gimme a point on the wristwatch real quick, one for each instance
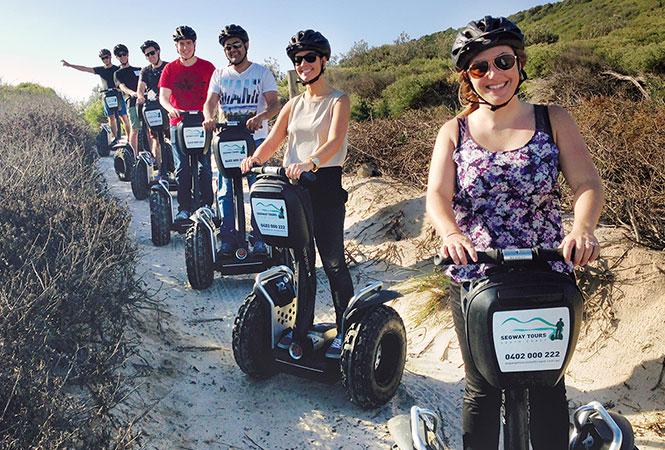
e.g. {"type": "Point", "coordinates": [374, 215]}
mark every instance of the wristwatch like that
{"type": "Point", "coordinates": [316, 163]}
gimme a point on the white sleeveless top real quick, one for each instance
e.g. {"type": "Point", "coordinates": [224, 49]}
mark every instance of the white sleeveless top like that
{"type": "Point", "coordinates": [309, 124]}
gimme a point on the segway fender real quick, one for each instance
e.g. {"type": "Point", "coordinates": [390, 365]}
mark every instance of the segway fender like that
{"type": "Point", "coordinates": [162, 187]}
{"type": "Point", "coordinates": [368, 298]}
{"type": "Point", "coordinates": [204, 216]}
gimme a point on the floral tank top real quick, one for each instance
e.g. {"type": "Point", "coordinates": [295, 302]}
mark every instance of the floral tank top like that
{"type": "Point", "coordinates": [508, 199]}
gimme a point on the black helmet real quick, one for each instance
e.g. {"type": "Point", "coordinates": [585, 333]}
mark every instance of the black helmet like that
{"type": "Point", "coordinates": [119, 49]}
{"type": "Point", "coordinates": [104, 52]}
{"type": "Point", "coordinates": [483, 34]}
{"type": "Point", "coordinates": [149, 43]}
{"type": "Point", "coordinates": [233, 30]}
{"type": "Point", "coordinates": [308, 40]}
{"type": "Point", "coordinates": [184, 32]}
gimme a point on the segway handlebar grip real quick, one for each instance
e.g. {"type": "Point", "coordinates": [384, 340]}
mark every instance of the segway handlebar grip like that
{"type": "Point", "coordinates": [307, 177]}
{"type": "Point", "coordinates": [516, 255]}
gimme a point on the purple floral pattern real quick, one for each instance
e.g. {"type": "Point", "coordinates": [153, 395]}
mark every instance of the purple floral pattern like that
{"type": "Point", "coordinates": [507, 199]}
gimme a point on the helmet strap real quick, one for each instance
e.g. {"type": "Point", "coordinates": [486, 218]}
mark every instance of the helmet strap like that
{"type": "Point", "coordinates": [315, 79]}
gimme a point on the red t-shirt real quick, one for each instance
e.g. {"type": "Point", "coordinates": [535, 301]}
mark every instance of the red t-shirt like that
{"type": "Point", "coordinates": [189, 85]}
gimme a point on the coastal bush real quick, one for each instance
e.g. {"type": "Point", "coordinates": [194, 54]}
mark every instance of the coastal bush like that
{"type": "Point", "coordinates": [68, 287]}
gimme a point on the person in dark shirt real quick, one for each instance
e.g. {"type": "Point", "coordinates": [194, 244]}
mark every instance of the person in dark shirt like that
{"type": "Point", "coordinates": [127, 79]}
{"type": "Point", "coordinates": [149, 84]}
{"type": "Point", "coordinates": [106, 73]}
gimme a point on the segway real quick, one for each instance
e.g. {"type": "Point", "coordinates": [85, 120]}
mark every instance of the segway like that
{"type": "Point", "coordinates": [193, 141]}
{"type": "Point", "coordinates": [104, 138]}
{"type": "Point", "coordinates": [203, 241]}
{"type": "Point", "coordinates": [146, 170]}
{"type": "Point", "coordinates": [522, 325]}
{"type": "Point", "coordinates": [374, 348]}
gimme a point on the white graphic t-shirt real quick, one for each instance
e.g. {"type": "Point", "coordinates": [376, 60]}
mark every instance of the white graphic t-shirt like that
{"type": "Point", "coordinates": [241, 94]}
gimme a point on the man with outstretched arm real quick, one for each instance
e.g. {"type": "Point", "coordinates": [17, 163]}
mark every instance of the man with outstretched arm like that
{"type": "Point", "coordinates": [245, 92]}
{"type": "Point", "coordinates": [183, 87]}
{"type": "Point", "coordinates": [127, 80]}
{"type": "Point", "coordinates": [106, 72]}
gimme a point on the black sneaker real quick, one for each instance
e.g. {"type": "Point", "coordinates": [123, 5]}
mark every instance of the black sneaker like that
{"type": "Point", "coordinates": [286, 340]}
{"type": "Point", "coordinates": [335, 349]}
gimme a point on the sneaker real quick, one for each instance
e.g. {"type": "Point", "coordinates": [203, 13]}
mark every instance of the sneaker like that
{"type": "Point", "coordinates": [335, 349]}
{"type": "Point", "coordinates": [182, 215]}
{"type": "Point", "coordinates": [286, 340]}
{"type": "Point", "coordinates": [259, 248]}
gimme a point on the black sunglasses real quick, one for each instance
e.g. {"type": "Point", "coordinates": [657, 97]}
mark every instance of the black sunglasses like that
{"type": "Point", "coordinates": [150, 53]}
{"type": "Point", "coordinates": [121, 55]}
{"type": "Point", "coordinates": [105, 57]}
{"type": "Point", "coordinates": [502, 62]}
{"type": "Point", "coordinates": [309, 57]}
{"type": "Point", "coordinates": [230, 47]}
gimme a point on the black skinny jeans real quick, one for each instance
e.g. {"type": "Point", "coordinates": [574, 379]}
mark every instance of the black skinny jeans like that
{"type": "Point", "coordinates": [328, 221]}
{"type": "Point", "coordinates": [548, 407]}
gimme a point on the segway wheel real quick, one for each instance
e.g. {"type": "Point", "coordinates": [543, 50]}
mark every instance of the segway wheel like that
{"type": "Point", "coordinates": [140, 183]}
{"type": "Point", "coordinates": [160, 219]}
{"type": "Point", "coordinates": [123, 162]}
{"type": "Point", "coordinates": [198, 256]}
{"type": "Point", "coordinates": [101, 141]}
{"type": "Point", "coordinates": [251, 338]}
{"type": "Point", "coordinates": [373, 357]}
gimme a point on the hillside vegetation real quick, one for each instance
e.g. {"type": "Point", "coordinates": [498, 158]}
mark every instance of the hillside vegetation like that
{"type": "Point", "coordinates": [604, 60]}
{"type": "Point", "coordinates": [68, 288]}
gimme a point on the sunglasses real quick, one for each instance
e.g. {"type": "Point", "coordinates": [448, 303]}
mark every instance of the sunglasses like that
{"type": "Point", "coordinates": [230, 47]}
{"type": "Point", "coordinates": [120, 55]}
{"type": "Point", "coordinates": [105, 57]}
{"type": "Point", "coordinates": [502, 62]}
{"type": "Point", "coordinates": [150, 53]}
{"type": "Point", "coordinates": [309, 57]}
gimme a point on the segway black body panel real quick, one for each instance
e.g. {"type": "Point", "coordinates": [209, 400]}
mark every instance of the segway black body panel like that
{"type": "Point", "coordinates": [522, 325]}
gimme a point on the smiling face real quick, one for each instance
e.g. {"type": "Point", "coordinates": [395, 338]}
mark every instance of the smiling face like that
{"type": "Point", "coordinates": [496, 86]}
{"type": "Point", "coordinates": [185, 48]}
{"type": "Point", "coordinates": [308, 70]}
{"type": "Point", "coordinates": [235, 50]}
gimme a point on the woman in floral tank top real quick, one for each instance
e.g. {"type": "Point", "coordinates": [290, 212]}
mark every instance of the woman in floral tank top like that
{"type": "Point", "coordinates": [493, 185]}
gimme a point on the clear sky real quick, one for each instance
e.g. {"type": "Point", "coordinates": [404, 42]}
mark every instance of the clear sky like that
{"type": "Point", "coordinates": [39, 33]}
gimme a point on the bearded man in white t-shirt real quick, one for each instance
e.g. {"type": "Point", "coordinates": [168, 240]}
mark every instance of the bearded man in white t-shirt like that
{"type": "Point", "coordinates": [245, 92]}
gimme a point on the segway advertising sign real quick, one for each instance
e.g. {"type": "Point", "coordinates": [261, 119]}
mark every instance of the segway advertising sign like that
{"type": "Point", "coordinates": [195, 137]}
{"type": "Point", "coordinates": [154, 117]}
{"type": "Point", "coordinates": [270, 215]}
{"type": "Point", "coordinates": [111, 101]}
{"type": "Point", "coordinates": [532, 339]}
{"type": "Point", "coordinates": [232, 153]}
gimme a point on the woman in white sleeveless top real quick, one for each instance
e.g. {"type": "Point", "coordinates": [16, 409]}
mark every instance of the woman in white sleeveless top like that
{"type": "Point", "coordinates": [316, 123]}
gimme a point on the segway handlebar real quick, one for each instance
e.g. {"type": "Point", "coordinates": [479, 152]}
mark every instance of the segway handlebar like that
{"type": "Point", "coordinates": [308, 177]}
{"type": "Point", "coordinates": [509, 255]}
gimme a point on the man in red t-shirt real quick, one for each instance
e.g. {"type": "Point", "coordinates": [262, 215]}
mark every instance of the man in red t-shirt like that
{"type": "Point", "coordinates": [183, 86]}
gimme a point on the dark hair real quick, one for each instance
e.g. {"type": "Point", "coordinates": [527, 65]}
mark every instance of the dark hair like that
{"type": "Point", "coordinates": [119, 49]}
{"type": "Point", "coordinates": [149, 43]}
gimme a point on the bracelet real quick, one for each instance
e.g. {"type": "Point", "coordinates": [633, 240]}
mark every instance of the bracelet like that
{"type": "Point", "coordinates": [315, 162]}
{"type": "Point", "coordinates": [450, 234]}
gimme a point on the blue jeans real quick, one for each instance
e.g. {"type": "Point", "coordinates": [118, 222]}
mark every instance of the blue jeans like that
{"type": "Point", "coordinates": [183, 176]}
{"type": "Point", "coordinates": [225, 199]}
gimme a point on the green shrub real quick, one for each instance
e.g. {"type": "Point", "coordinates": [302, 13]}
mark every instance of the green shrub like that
{"type": "Point", "coordinates": [416, 91]}
{"type": "Point", "coordinates": [94, 114]}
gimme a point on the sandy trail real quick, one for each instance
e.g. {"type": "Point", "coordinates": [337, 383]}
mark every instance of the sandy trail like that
{"type": "Point", "coordinates": [190, 394]}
